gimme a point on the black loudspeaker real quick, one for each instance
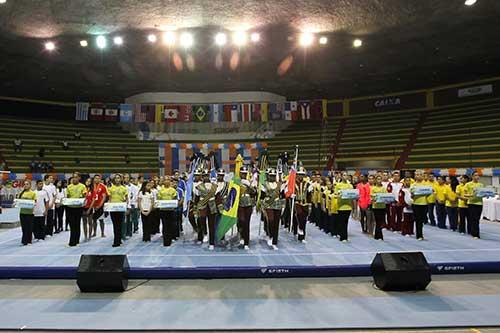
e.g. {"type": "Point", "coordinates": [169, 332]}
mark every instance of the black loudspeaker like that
{"type": "Point", "coordinates": [403, 271]}
{"type": "Point", "coordinates": [102, 273]}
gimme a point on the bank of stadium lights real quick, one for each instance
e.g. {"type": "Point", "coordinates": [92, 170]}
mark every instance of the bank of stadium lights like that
{"type": "Point", "coordinates": [101, 42]}
{"type": "Point", "coordinates": [255, 37]}
{"type": "Point", "coordinates": [240, 38]}
{"type": "Point", "coordinates": [50, 46]}
{"type": "Point", "coordinates": [118, 40]}
{"type": "Point", "coordinates": [470, 2]}
{"type": "Point", "coordinates": [186, 40]}
{"type": "Point", "coordinates": [2, 2]}
{"type": "Point", "coordinates": [357, 43]}
{"type": "Point", "coordinates": [169, 38]}
{"type": "Point", "coordinates": [306, 39]}
{"type": "Point", "coordinates": [220, 39]}
{"type": "Point", "coordinates": [84, 43]}
{"type": "Point", "coordinates": [152, 38]}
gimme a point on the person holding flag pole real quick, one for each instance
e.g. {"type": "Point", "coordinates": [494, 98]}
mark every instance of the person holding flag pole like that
{"type": "Point", "coordinates": [230, 213]}
{"type": "Point", "coordinates": [290, 192]}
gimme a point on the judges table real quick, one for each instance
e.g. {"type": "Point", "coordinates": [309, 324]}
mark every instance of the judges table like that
{"type": "Point", "coordinates": [491, 209]}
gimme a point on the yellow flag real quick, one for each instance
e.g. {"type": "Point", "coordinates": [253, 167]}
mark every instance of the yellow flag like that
{"type": "Point", "coordinates": [237, 167]}
{"type": "Point", "coordinates": [264, 114]}
{"type": "Point", "coordinates": [159, 113]}
{"type": "Point", "coordinates": [324, 108]}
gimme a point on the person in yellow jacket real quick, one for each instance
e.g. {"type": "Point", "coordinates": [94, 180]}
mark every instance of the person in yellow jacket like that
{"type": "Point", "coordinates": [117, 193]}
{"type": "Point", "coordinates": [440, 196]}
{"type": "Point", "coordinates": [452, 202]}
{"type": "Point", "coordinates": [333, 212]}
{"type": "Point", "coordinates": [419, 206]}
{"type": "Point", "coordinates": [379, 209]}
{"type": "Point", "coordinates": [475, 204]}
{"type": "Point", "coordinates": [431, 199]}
{"type": "Point", "coordinates": [26, 215]}
{"type": "Point", "coordinates": [323, 204]}
{"type": "Point", "coordinates": [344, 207]}
{"type": "Point", "coordinates": [463, 208]}
{"type": "Point", "coordinates": [75, 190]}
{"type": "Point", "coordinates": [167, 215]}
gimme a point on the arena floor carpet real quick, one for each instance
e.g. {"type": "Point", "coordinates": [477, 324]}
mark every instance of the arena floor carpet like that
{"type": "Point", "coordinates": [446, 251]}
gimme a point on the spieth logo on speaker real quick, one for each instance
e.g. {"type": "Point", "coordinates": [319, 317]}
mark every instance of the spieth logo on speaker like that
{"type": "Point", "coordinates": [450, 268]}
{"type": "Point", "coordinates": [274, 270]}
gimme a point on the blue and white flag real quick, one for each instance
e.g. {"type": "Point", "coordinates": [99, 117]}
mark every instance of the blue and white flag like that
{"type": "Point", "coordinates": [82, 111]}
{"type": "Point", "coordinates": [126, 113]}
{"type": "Point", "coordinates": [217, 114]}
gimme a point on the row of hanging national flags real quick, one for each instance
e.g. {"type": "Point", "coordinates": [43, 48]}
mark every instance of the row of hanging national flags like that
{"type": "Point", "coordinates": [214, 113]}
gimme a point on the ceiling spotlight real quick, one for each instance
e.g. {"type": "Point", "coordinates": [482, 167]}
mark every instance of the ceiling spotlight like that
{"type": "Point", "coordinates": [118, 40]}
{"type": "Point", "coordinates": [50, 46]}
{"type": "Point", "coordinates": [152, 38]}
{"type": "Point", "coordinates": [221, 39]}
{"type": "Point", "coordinates": [323, 40]}
{"type": "Point", "coordinates": [186, 40]}
{"type": "Point", "coordinates": [470, 2]}
{"type": "Point", "coordinates": [2, 2]}
{"type": "Point", "coordinates": [306, 39]}
{"type": "Point", "coordinates": [101, 42]}
{"type": "Point", "coordinates": [255, 37]}
{"type": "Point", "coordinates": [169, 38]}
{"type": "Point", "coordinates": [84, 43]}
{"type": "Point", "coordinates": [240, 38]}
{"type": "Point", "coordinates": [357, 42]}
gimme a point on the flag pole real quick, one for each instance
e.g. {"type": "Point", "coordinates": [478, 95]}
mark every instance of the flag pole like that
{"type": "Point", "coordinates": [295, 162]}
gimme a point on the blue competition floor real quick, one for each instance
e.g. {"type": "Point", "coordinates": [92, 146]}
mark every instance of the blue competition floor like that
{"type": "Point", "coordinates": [448, 252]}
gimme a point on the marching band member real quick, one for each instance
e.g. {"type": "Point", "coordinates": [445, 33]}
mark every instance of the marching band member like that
{"type": "Point", "coordinates": [206, 209]}
{"type": "Point", "coordinates": [379, 208]}
{"type": "Point", "coordinates": [303, 196]}
{"type": "Point", "coordinates": [323, 221]}
{"type": "Point", "coordinates": [331, 206]}
{"type": "Point", "coordinates": [117, 193]}
{"type": "Point", "coordinates": [272, 204]}
{"type": "Point", "coordinates": [344, 207]}
{"type": "Point", "coordinates": [192, 207]}
{"type": "Point", "coordinates": [248, 192]}
{"type": "Point", "coordinates": [406, 202]}
{"type": "Point", "coordinates": [463, 209]}
{"type": "Point", "coordinates": [167, 215]}
{"type": "Point", "coordinates": [316, 199]}
{"type": "Point", "coordinates": [395, 216]}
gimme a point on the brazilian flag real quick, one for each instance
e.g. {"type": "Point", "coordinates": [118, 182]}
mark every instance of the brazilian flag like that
{"type": "Point", "coordinates": [230, 214]}
{"type": "Point", "coordinates": [201, 113]}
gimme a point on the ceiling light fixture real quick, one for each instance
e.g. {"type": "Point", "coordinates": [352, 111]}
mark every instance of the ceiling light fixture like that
{"type": "Point", "coordinates": [255, 37]}
{"type": "Point", "coordinates": [186, 40]}
{"type": "Point", "coordinates": [50, 46]}
{"type": "Point", "coordinates": [357, 43]}
{"type": "Point", "coordinates": [152, 38]}
{"type": "Point", "coordinates": [84, 43]}
{"type": "Point", "coordinates": [470, 2]}
{"type": "Point", "coordinates": [118, 40]}
{"type": "Point", "coordinates": [169, 38]}
{"type": "Point", "coordinates": [240, 38]}
{"type": "Point", "coordinates": [101, 42]}
{"type": "Point", "coordinates": [221, 39]}
{"type": "Point", "coordinates": [306, 39]}
{"type": "Point", "coordinates": [323, 40]}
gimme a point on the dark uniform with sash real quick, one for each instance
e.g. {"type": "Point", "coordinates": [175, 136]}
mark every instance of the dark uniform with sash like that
{"type": "Point", "coordinates": [245, 208]}
{"type": "Point", "coordinates": [206, 208]}
{"type": "Point", "coordinates": [303, 194]}
{"type": "Point", "coordinates": [272, 203]}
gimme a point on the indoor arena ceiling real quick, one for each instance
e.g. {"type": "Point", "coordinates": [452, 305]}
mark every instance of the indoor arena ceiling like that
{"type": "Point", "coordinates": [407, 44]}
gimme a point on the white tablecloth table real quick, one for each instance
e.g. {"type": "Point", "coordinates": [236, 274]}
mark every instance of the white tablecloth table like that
{"type": "Point", "coordinates": [491, 209]}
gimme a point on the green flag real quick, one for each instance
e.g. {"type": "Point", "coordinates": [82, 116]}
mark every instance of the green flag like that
{"type": "Point", "coordinates": [200, 113]}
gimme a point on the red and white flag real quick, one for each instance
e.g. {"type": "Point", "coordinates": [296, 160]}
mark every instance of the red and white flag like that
{"type": "Point", "coordinates": [246, 112]}
{"type": "Point", "coordinates": [171, 113]}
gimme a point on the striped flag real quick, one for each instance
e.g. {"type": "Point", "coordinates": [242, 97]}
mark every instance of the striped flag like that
{"type": "Point", "coordinates": [235, 108]}
{"type": "Point", "coordinates": [264, 112]}
{"type": "Point", "coordinates": [217, 114]}
{"type": "Point", "coordinates": [82, 111]}
{"type": "Point", "coordinates": [246, 112]}
{"type": "Point", "coordinates": [305, 110]}
{"type": "Point", "coordinates": [139, 116]}
{"type": "Point", "coordinates": [256, 112]}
